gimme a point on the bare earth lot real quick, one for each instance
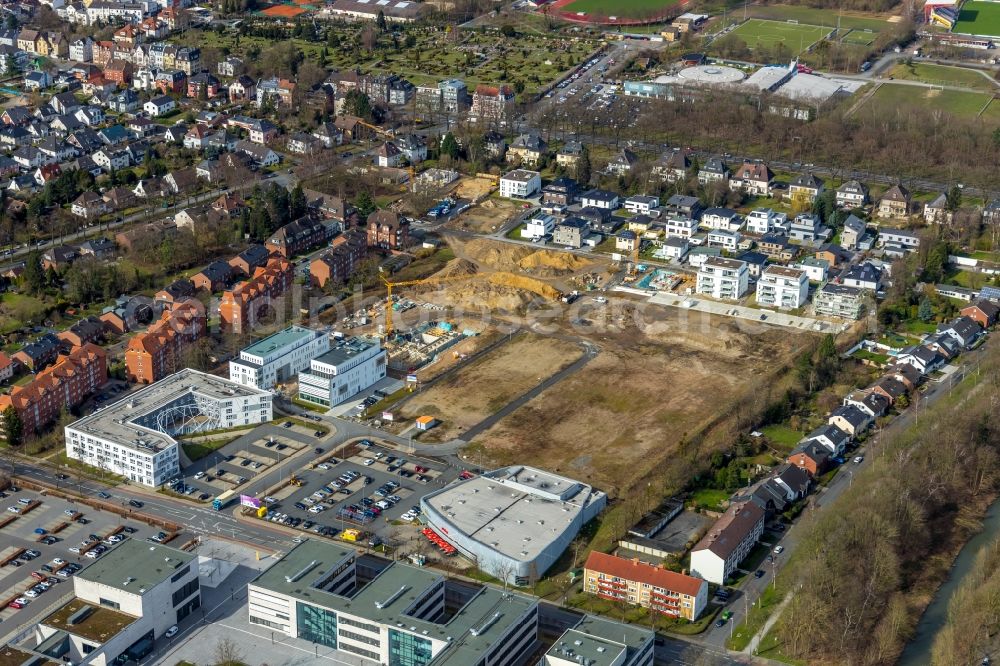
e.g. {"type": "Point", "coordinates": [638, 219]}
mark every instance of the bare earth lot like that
{"type": "Point", "coordinates": [626, 412]}
{"type": "Point", "coordinates": [485, 386]}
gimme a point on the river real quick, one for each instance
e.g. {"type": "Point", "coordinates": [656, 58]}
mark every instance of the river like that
{"type": "Point", "coordinates": [918, 651]}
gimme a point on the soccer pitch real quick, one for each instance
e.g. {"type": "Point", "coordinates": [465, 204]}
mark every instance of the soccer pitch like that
{"type": "Point", "coordinates": [979, 18]}
{"type": "Point", "coordinates": [797, 37]}
{"type": "Point", "coordinates": [637, 9]}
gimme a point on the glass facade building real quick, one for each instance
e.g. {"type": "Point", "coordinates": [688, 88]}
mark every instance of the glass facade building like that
{"type": "Point", "coordinates": [408, 650]}
{"type": "Point", "coordinates": [317, 625]}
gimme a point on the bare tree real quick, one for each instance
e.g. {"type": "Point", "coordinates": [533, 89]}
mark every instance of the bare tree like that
{"type": "Point", "coordinates": [228, 653]}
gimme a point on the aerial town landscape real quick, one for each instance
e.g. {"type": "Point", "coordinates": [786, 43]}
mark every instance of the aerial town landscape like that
{"type": "Point", "coordinates": [488, 333]}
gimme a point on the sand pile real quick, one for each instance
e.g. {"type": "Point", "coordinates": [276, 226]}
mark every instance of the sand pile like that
{"type": "Point", "coordinates": [544, 262]}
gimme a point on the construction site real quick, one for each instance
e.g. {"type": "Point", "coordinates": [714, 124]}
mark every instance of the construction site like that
{"type": "Point", "coordinates": [528, 357]}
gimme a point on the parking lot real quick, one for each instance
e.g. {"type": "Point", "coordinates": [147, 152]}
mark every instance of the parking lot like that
{"type": "Point", "coordinates": [50, 537]}
{"type": "Point", "coordinates": [356, 482]}
{"type": "Point", "coordinates": [244, 459]}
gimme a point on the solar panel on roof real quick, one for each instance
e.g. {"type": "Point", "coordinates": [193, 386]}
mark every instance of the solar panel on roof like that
{"type": "Point", "coordinates": [990, 293]}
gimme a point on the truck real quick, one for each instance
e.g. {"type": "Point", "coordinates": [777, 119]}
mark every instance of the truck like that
{"type": "Point", "coordinates": [220, 502]}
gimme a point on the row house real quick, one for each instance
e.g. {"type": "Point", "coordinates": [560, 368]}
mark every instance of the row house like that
{"type": "Point", "coordinates": [159, 352]}
{"type": "Point", "coordinates": [63, 386]}
{"type": "Point", "coordinates": [248, 302]}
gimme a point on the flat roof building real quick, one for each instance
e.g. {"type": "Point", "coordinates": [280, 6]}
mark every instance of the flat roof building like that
{"type": "Point", "coordinates": [278, 357]}
{"type": "Point", "coordinates": [514, 522]}
{"type": "Point", "coordinates": [134, 437]}
{"type": "Point", "coordinates": [121, 604]}
{"type": "Point", "coordinates": [349, 367]}
{"type": "Point", "coordinates": [394, 613]}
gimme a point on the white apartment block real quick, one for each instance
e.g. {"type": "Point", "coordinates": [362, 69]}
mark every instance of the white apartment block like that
{"type": "Point", "coordinates": [727, 240]}
{"type": "Point", "coordinates": [682, 227]}
{"type": "Point", "coordinates": [837, 300]}
{"type": "Point", "coordinates": [727, 543]}
{"type": "Point", "coordinates": [764, 221]}
{"type": "Point", "coordinates": [520, 183]}
{"type": "Point", "coordinates": [278, 358]}
{"type": "Point", "coordinates": [538, 226]}
{"type": "Point", "coordinates": [783, 287]}
{"type": "Point", "coordinates": [134, 437]}
{"type": "Point", "coordinates": [723, 278]}
{"type": "Point", "coordinates": [351, 366]}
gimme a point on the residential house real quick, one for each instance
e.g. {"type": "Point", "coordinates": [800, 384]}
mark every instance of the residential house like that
{"type": "Point", "coordinates": [863, 276]}
{"type": "Point", "coordinates": [966, 331]}
{"type": "Point", "coordinates": [99, 248]}
{"type": "Point", "coordinates": [833, 254]}
{"type": "Point", "coordinates": [539, 225]}
{"type": "Point", "coordinates": [756, 262]}
{"type": "Point", "coordinates": [89, 205]}
{"type": "Point", "coordinates": [777, 247]}
{"type": "Point", "coordinates": [520, 183]}
{"type": "Point", "coordinates": [782, 287]}
{"type": "Point", "coordinates": [622, 163]}
{"type": "Point", "coordinates": [721, 218]}
{"type": "Point", "coordinates": [804, 189]}
{"type": "Point", "coordinates": [871, 404]}
{"type": "Point", "coordinates": [388, 230]}
{"type": "Point", "coordinates": [243, 88]}
{"type": "Point", "coordinates": [891, 388]}
{"type": "Point", "coordinates": [214, 277]}
{"type": "Point", "coordinates": [898, 242]}
{"type": "Point", "coordinates": [924, 359]}
{"type": "Point", "coordinates": [388, 155]}
{"type": "Point", "coordinates": [729, 540]}
{"type": "Point", "coordinates": [672, 167]}
{"type": "Point", "coordinates": [852, 233]}
{"type": "Point", "coordinates": [231, 66]}
{"type": "Point", "coordinates": [59, 257]}
{"type": "Point", "coordinates": [89, 329]}
{"type": "Point", "coordinates": [250, 259]}
{"type": "Point", "coordinates": [330, 136]}
{"type": "Point", "coordinates": [600, 199]}
{"type": "Point", "coordinates": [852, 194]}
{"type": "Point", "coordinates": [983, 312]}
{"type": "Point", "coordinates": [39, 353]}
{"type": "Point", "coordinates": [681, 227]}
{"type": "Point", "coordinates": [571, 232]}
{"type": "Point", "coordinates": [764, 221]}
{"type": "Point", "coordinates": [202, 86]}
{"type": "Point", "coordinates": [938, 211]}
{"type": "Point", "coordinates": [812, 457]}
{"type": "Point", "coordinates": [713, 171]}
{"type": "Point", "coordinates": [674, 247]}
{"type": "Point", "coordinates": [298, 237]}
{"type": "Point", "coordinates": [831, 437]}
{"type": "Point", "coordinates": [647, 585]}
{"type": "Point", "coordinates": [527, 149]}
{"type": "Point", "coordinates": [569, 154]}
{"type": "Point", "coordinates": [723, 278]}
{"type": "Point", "coordinates": [641, 205]}
{"type": "Point", "coordinates": [816, 270]}
{"type": "Point", "coordinates": [849, 419]}
{"type": "Point", "coordinates": [151, 356]}
{"type": "Point", "coordinates": [492, 104]}
{"type": "Point", "coordinates": [560, 192]}
{"type": "Point", "coordinates": [338, 263]}
{"type": "Point", "coordinates": [727, 240]}
{"type": "Point", "coordinates": [262, 156]}
{"type": "Point", "coordinates": [243, 305]}
{"type": "Point", "coordinates": [895, 203]}
{"type": "Point", "coordinates": [159, 106]}
{"type": "Point", "coordinates": [754, 178]}
{"type": "Point", "coordinates": [276, 91]}
{"type": "Point", "coordinates": [808, 228]}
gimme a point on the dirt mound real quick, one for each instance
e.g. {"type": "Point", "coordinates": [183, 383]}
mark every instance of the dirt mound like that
{"type": "Point", "coordinates": [546, 262]}
{"type": "Point", "coordinates": [501, 256]}
{"type": "Point", "coordinates": [525, 284]}
{"type": "Point", "coordinates": [457, 268]}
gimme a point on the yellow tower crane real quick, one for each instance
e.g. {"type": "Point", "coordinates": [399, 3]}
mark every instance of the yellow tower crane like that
{"type": "Point", "coordinates": [389, 286]}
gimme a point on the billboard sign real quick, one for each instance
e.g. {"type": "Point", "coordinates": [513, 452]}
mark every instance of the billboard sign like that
{"type": "Point", "coordinates": [247, 500]}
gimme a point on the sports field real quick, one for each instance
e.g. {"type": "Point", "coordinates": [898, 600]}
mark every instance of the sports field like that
{"type": "Point", "coordinates": [942, 75]}
{"type": "Point", "coordinates": [634, 9]}
{"type": "Point", "coordinates": [797, 37]}
{"type": "Point", "coordinates": [893, 97]}
{"type": "Point", "coordinates": [861, 37]}
{"type": "Point", "coordinates": [821, 17]}
{"type": "Point", "coordinates": [979, 18]}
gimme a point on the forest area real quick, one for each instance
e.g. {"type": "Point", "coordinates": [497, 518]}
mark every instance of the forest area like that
{"type": "Point", "coordinates": [867, 566]}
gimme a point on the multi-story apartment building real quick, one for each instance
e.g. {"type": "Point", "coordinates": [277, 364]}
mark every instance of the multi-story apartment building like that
{"type": "Point", "coordinates": [278, 357]}
{"type": "Point", "coordinates": [838, 300]}
{"type": "Point", "coordinates": [151, 356]}
{"type": "Point", "coordinates": [492, 104]}
{"type": "Point", "coordinates": [728, 542]}
{"type": "Point", "coordinates": [64, 385]}
{"type": "Point", "coordinates": [454, 95]}
{"type": "Point", "coordinates": [646, 585]}
{"type": "Point", "coordinates": [723, 278]}
{"type": "Point", "coordinates": [520, 183]}
{"type": "Point", "coordinates": [298, 237]}
{"type": "Point", "coordinates": [135, 437]}
{"type": "Point", "coordinates": [247, 302]}
{"type": "Point", "coordinates": [783, 287]}
{"type": "Point", "coordinates": [349, 367]}
{"type": "Point", "coordinates": [388, 230]}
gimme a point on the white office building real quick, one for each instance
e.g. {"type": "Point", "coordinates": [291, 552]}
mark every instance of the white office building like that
{"type": "Point", "coordinates": [723, 278]}
{"type": "Point", "coordinates": [374, 611]}
{"type": "Point", "coordinates": [278, 358]}
{"type": "Point", "coordinates": [121, 604]}
{"type": "Point", "coordinates": [134, 437]}
{"type": "Point", "coordinates": [783, 287]}
{"type": "Point", "coordinates": [520, 184]}
{"type": "Point", "coordinates": [349, 367]}
{"type": "Point", "coordinates": [540, 225]}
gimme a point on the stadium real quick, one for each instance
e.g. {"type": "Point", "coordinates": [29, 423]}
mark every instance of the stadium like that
{"type": "Point", "coordinates": [134, 437]}
{"type": "Point", "coordinates": [514, 522]}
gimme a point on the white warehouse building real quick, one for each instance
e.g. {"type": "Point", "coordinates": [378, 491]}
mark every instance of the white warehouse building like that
{"type": "Point", "coordinates": [134, 437]}
{"type": "Point", "coordinates": [514, 522]}
{"type": "Point", "coordinates": [349, 367]}
{"type": "Point", "coordinates": [278, 357]}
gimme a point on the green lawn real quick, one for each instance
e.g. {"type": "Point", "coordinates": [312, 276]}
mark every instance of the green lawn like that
{"type": "Point", "coordinates": [631, 9]}
{"type": "Point", "coordinates": [755, 621]}
{"type": "Point", "coordinates": [797, 37]}
{"type": "Point", "coordinates": [874, 357]}
{"type": "Point", "coordinates": [979, 18]}
{"type": "Point", "coordinates": [919, 327]}
{"type": "Point", "coordinates": [709, 498]}
{"type": "Point", "coordinates": [992, 113]}
{"type": "Point", "coordinates": [942, 75]}
{"type": "Point", "coordinates": [820, 17]}
{"type": "Point", "coordinates": [198, 450]}
{"type": "Point", "coordinates": [861, 37]}
{"type": "Point", "coordinates": [893, 97]}
{"type": "Point", "coordinates": [782, 434]}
